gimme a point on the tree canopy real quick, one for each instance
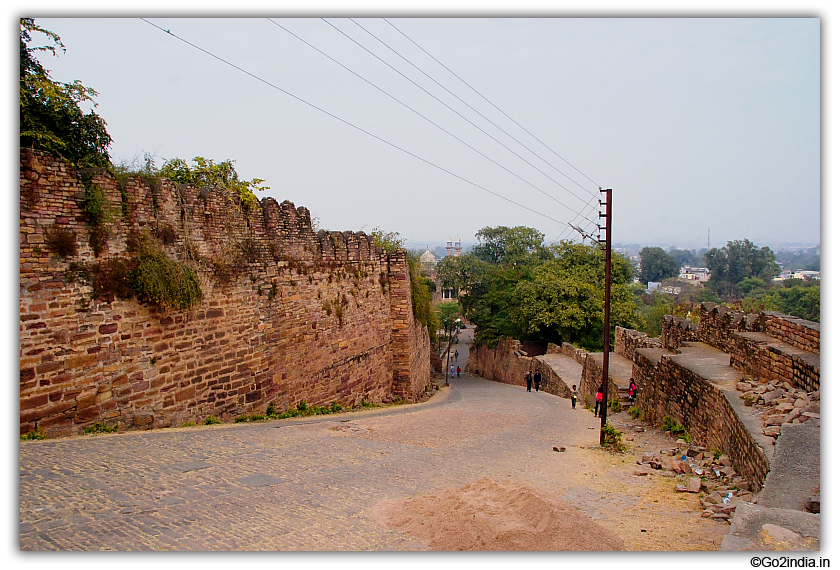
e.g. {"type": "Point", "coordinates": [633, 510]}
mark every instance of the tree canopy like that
{"type": "Point", "coordinates": [657, 265]}
{"type": "Point", "coordinates": [739, 260]}
{"type": "Point", "coordinates": [50, 116]}
{"type": "Point", "coordinates": [513, 285]}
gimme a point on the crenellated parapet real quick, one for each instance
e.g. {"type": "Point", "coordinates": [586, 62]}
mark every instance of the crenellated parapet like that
{"type": "Point", "coordinates": [287, 314]}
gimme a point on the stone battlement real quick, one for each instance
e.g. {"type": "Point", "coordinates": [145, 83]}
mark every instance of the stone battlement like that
{"type": "Point", "coordinates": [288, 315]}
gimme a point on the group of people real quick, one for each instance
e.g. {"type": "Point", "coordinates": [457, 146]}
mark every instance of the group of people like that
{"type": "Point", "coordinates": [453, 370]}
{"type": "Point", "coordinates": [535, 378]}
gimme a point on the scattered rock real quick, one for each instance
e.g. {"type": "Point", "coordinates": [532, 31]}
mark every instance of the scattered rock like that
{"type": "Point", "coordinates": [694, 485]}
{"type": "Point", "coordinates": [772, 431]}
{"type": "Point", "coordinates": [784, 408]}
{"type": "Point", "coordinates": [774, 420]}
{"type": "Point", "coordinates": [793, 415]}
{"type": "Point", "coordinates": [720, 517]}
{"type": "Point", "coordinates": [640, 472]}
{"type": "Point", "coordinates": [813, 407]}
{"type": "Point", "coordinates": [680, 488]}
{"type": "Point", "coordinates": [743, 386]}
{"type": "Point", "coordinates": [768, 397]}
{"type": "Point", "coordinates": [813, 504]}
{"type": "Point", "coordinates": [555, 448]}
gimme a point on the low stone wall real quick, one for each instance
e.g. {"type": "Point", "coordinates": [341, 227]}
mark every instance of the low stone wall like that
{"type": "Point", "coordinates": [794, 331]}
{"type": "Point", "coordinates": [711, 415]}
{"type": "Point", "coordinates": [507, 363]}
{"type": "Point", "coordinates": [592, 378]}
{"type": "Point", "coordinates": [628, 340]}
{"type": "Point", "coordinates": [676, 331]}
{"type": "Point", "coordinates": [760, 356]}
{"type": "Point", "coordinates": [718, 324]}
{"type": "Point", "coordinates": [572, 351]}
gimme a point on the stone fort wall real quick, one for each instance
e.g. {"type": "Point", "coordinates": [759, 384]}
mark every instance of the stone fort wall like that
{"type": "Point", "coordinates": [288, 315]}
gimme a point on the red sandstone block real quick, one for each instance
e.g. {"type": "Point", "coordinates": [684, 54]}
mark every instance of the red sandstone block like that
{"type": "Point", "coordinates": [108, 328]}
{"type": "Point", "coordinates": [48, 367]}
{"type": "Point", "coordinates": [87, 414]}
{"type": "Point", "coordinates": [34, 402]}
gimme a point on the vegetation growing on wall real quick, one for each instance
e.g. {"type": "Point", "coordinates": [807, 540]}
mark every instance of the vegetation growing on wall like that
{"type": "Point", "coordinates": [205, 172]}
{"type": "Point", "coordinates": [389, 241]}
{"type": "Point", "coordinates": [421, 295]}
{"type": "Point", "coordinates": [50, 116]}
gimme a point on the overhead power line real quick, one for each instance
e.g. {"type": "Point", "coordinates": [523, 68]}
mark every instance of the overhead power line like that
{"type": "Point", "coordinates": [415, 111]}
{"type": "Point", "coordinates": [481, 115]}
{"type": "Point", "coordinates": [293, 96]}
{"type": "Point", "coordinates": [491, 103]}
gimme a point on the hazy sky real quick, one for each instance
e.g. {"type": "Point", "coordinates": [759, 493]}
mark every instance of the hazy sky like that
{"type": "Point", "coordinates": [697, 124]}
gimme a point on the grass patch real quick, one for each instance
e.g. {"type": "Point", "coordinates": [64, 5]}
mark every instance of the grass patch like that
{"type": "Point", "coordinates": [211, 420]}
{"type": "Point", "coordinates": [669, 424]}
{"type": "Point", "coordinates": [98, 428]}
{"type": "Point", "coordinates": [613, 439]}
{"type": "Point", "coordinates": [33, 435]}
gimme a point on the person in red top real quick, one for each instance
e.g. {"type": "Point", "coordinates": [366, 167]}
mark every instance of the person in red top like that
{"type": "Point", "coordinates": [599, 400]}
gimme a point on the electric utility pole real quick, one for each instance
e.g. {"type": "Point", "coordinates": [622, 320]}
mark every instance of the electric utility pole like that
{"type": "Point", "coordinates": [605, 380]}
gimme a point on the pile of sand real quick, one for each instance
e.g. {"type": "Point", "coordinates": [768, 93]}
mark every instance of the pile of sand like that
{"type": "Point", "coordinates": [486, 515]}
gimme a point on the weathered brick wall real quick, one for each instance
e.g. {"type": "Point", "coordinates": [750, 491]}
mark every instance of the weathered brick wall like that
{"type": "Point", "coordinates": [718, 324]}
{"type": "Point", "coordinates": [593, 378]}
{"type": "Point", "coordinates": [668, 389]}
{"type": "Point", "coordinates": [304, 317]}
{"type": "Point", "coordinates": [628, 340]}
{"type": "Point", "coordinates": [676, 331]}
{"type": "Point", "coordinates": [411, 362]}
{"type": "Point", "coordinates": [508, 362]}
{"type": "Point", "coordinates": [796, 332]}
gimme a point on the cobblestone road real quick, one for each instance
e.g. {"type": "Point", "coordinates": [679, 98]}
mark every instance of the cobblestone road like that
{"type": "Point", "coordinates": [291, 484]}
{"type": "Point", "coordinates": [309, 484]}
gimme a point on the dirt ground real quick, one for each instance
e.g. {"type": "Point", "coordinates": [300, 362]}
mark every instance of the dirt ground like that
{"type": "Point", "coordinates": [606, 505]}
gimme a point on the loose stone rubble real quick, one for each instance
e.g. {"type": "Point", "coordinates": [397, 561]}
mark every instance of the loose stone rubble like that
{"type": "Point", "coordinates": [779, 403]}
{"type": "Point", "coordinates": [704, 472]}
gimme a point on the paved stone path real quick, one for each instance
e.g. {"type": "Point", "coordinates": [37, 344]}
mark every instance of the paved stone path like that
{"type": "Point", "coordinates": [309, 484]}
{"type": "Point", "coordinates": [290, 484]}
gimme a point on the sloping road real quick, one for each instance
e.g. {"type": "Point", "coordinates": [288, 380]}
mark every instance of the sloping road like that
{"type": "Point", "coordinates": [310, 484]}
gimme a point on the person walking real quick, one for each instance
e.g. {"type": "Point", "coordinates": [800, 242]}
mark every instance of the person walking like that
{"type": "Point", "coordinates": [599, 400]}
{"type": "Point", "coordinates": [537, 380]}
{"type": "Point", "coordinates": [633, 389]}
{"type": "Point", "coordinates": [574, 396]}
{"type": "Point", "coordinates": [456, 355]}
{"type": "Point", "coordinates": [452, 371]}
{"type": "Point", "coordinates": [458, 371]}
{"type": "Point", "coordinates": [528, 379]}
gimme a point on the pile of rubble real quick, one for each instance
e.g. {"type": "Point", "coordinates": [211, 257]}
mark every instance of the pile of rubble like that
{"type": "Point", "coordinates": [780, 403]}
{"type": "Point", "coordinates": [702, 471]}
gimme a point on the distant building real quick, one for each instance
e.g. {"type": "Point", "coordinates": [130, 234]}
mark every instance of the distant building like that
{"type": "Point", "coordinates": [798, 274]}
{"type": "Point", "coordinates": [428, 260]}
{"type": "Point", "coordinates": [700, 274]}
{"type": "Point", "coordinates": [457, 246]}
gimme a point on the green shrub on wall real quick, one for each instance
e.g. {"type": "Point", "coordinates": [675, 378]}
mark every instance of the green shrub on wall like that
{"type": "Point", "coordinates": [168, 283]}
